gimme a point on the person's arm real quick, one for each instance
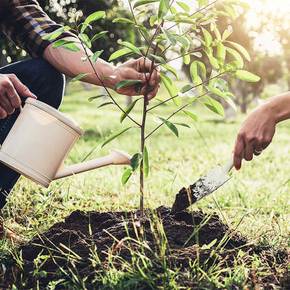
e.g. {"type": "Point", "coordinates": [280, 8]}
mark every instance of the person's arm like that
{"type": "Point", "coordinates": [72, 63]}
{"type": "Point", "coordinates": [258, 129]}
{"type": "Point", "coordinates": [25, 23]}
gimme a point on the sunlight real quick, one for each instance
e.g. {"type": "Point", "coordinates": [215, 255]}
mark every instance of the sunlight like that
{"type": "Point", "coordinates": [266, 41]}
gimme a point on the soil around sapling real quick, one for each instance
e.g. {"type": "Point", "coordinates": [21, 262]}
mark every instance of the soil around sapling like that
{"type": "Point", "coordinates": [190, 236]}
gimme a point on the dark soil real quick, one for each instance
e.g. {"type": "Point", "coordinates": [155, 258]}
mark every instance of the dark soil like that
{"type": "Point", "coordinates": [187, 235]}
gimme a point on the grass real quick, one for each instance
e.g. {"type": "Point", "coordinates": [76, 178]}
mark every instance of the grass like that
{"type": "Point", "coordinates": [255, 200]}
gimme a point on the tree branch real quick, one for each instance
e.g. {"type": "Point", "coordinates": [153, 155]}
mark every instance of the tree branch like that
{"type": "Point", "coordinates": [174, 113]}
{"type": "Point", "coordinates": [103, 85]}
{"type": "Point", "coordinates": [171, 98]}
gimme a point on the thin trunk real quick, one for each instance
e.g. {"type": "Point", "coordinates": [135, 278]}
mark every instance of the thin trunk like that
{"type": "Point", "coordinates": [143, 126]}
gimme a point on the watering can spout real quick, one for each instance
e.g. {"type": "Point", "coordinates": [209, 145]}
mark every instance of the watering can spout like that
{"type": "Point", "coordinates": [116, 157]}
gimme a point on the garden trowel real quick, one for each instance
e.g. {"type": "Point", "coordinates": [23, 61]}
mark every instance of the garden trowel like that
{"type": "Point", "coordinates": [207, 184]}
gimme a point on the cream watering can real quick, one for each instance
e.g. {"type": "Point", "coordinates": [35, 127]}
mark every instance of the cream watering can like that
{"type": "Point", "coordinates": [40, 141]}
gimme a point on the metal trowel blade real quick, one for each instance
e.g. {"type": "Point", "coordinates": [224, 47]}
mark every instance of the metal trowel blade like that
{"type": "Point", "coordinates": [204, 186]}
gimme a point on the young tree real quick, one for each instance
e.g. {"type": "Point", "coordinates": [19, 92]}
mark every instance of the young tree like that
{"type": "Point", "coordinates": [167, 26]}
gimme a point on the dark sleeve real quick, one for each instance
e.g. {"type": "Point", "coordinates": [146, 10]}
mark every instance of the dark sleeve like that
{"type": "Point", "coordinates": [25, 23]}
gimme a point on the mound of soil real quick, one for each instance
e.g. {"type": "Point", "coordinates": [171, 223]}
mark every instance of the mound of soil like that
{"type": "Point", "coordinates": [187, 236]}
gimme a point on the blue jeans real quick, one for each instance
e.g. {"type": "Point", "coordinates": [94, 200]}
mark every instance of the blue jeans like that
{"type": "Point", "coordinates": [48, 85]}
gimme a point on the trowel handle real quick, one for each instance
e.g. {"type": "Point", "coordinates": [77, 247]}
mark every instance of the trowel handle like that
{"type": "Point", "coordinates": [229, 165]}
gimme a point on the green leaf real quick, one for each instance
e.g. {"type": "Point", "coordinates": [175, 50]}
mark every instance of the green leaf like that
{"type": "Point", "coordinates": [115, 136]}
{"type": "Point", "coordinates": [61, 42]}
{"type": "Point", "coordinates": [227, 33]}
{"type": "Point", "coordinates": [171, 88]}
{"type": "Point", "coordinates": [217, 33]}
{"type": "Point", "coordinates": [163, 8]}
{"type": "Point", "coordinates": [202, 69]}
{"type": "Point", "coordinates": [79, 77]}
{"type": "Point", "coordinates": [236, 56]}
{"type": "Point", "coordinates": [247, 76]}
{"type": "Point", "coordinates": [99, 35]}
{"type": "Point", "coordinates": [191, 115]}
{"type": "Point", "coordinates": [143, 2]}
{"type": "Point", "coordinates": [170, 69]}
{"type": "Point", "coordinates": [126, 175]}
{"type": "Point", "coordinates": [169, 36]}
{"type": "Point", "coordinates": [193, 72]}
{"type": "Point", "coordinates": [214, 106]}
{"type": "Point", "coordinates": [128, 110]}
{"type": "Point", "coordinates": [183, 41]}
{"type": "Point", "coordinates": [230, 11]}
{"type": "Point", "coordinates": [159, 59]}
{"type": "Point", "coordinates": [186, 59]}
{"type": "Point", "coordinates": [135, 161]}
{"type": "Point", "coordinates": [221, 52]}
{"type": "Point", "coordinates": [85, 40]}
{"type": "Point", "coordinates": [229, 100]}
{"type": "Point", "coordinates": [184, 6]}
{"type": "Point", "coordinates": [182, 124]}
{"type": "Point", "coordinates": [126, 83]}
{"type": "Point", "coordinates": [71, 46]}
{"type": "Point", "coordinates": [55, 34]}
{"type": "Point", "coordinates": [90, 99]}
{"type": "Point", "coordinates": [146, 166]}
{"type": "Point", "coordinates": [207, 37]}
{"type": "Point", "coordinates": [241, 49]}
{"type": "Point", "coordinates": [131, 46]}
{"type": "Point", "coordinates": [105, 104]}
{"type": "Point", "coordinates": [92, 18]}
{"type": "Point", "coordinates": [123, 20]}
{"type": "Point", "coordinates": [96, 55]}
{"type": "Point", "coordinates": [170, 125]}
{"type": "Point", "coordinates": [216, 91]}
{"type": "Point", "coordinates": [202, 2]}
{"type": "Point", "coordinates": [152, 20]}
{"type": "Point", "coordinates": [186, 88]}
{"type": "Point", "coordinates": [119, 53]}
{"type": "Point", "coordinates": [213, 61]}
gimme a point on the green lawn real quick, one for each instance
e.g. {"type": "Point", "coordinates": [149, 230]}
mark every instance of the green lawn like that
{"type": "Point", "coordinates": [255, 199]}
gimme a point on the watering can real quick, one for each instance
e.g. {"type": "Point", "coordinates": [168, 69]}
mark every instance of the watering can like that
{"type": "Point", "coordinates": [40, 141]}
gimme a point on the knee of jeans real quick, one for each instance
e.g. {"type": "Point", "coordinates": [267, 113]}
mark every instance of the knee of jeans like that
{"type": "Point", "coordinates": [54, 83]}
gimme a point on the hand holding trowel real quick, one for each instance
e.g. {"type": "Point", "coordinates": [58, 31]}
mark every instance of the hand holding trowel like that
{"type": "Point", "coordinates": [202, 187]}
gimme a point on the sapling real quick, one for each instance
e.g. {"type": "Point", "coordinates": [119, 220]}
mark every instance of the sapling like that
{"type": "Point", "coordinates": [170, 30]}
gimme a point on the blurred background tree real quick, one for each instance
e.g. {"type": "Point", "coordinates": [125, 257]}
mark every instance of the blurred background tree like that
{"type": "Point", "coordinates": [267, 39]}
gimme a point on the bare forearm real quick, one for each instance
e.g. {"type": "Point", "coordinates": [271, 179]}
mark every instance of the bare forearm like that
{"type": "Point", "coordinates": [279, 106]}
{"type": "Point", "coordinates": [73, 63]}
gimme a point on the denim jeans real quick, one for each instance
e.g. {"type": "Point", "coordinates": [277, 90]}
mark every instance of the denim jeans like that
{"type": "Point", "coordinates": [48, 85]}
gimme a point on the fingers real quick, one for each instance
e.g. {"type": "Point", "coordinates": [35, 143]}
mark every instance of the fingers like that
{"type": "Point", "coordinates": [13, 96]}
{"type": "Point", "coordinates": [3, 113]}
{"type": "Point", "coordinates": [6, 90]}
{"type": "Point", "coordinates": [22, 90]}
{"type": "Point", "coordinates": [249, 151]}
{"type": "Point", "coordinates": [155, 77]}
{"type": "Point", "coordinates": [11, 89]}
{"type": "Point", "coordinates": [153, 94]}
{"type": "Point", "coordinates": [239, 152]}
{"type": "Point", "coordinates": [143, 64]}
{"type": "Point", "coordinates": [6, 105]}
{"type": "Point", "coordinates": [146, 65]}
{"type": "Point", "coordinates": [246, 147]}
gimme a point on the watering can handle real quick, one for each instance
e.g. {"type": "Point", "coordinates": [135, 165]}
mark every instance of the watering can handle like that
{"type": "Point", "coordinates": [116, 157]}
